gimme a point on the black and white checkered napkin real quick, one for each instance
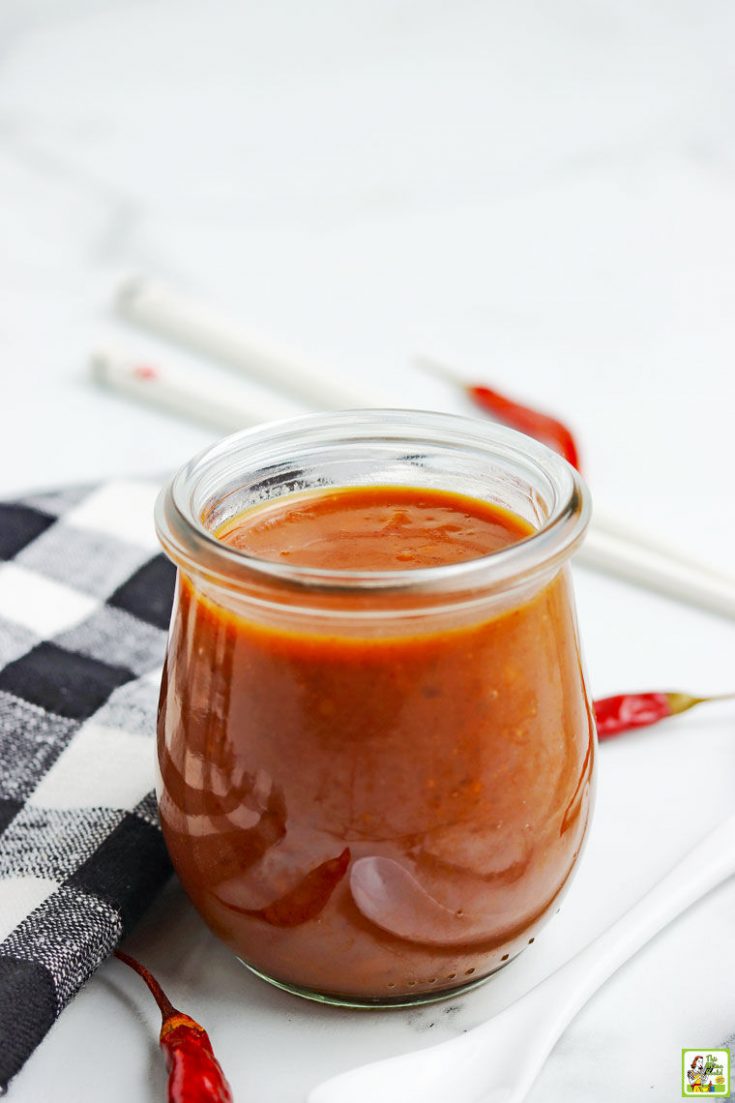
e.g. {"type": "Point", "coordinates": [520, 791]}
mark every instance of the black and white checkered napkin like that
{"type": "Point", "coordinates": [84, 607]}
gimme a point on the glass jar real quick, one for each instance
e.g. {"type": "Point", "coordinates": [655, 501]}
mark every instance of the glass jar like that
{"type": "Point", "coordinates": [374, 785]}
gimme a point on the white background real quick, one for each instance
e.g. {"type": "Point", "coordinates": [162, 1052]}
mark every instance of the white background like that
{"type": "Point", "coordinates": [543, 193]}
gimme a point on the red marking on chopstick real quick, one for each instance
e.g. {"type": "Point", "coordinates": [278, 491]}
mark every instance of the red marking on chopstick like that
{"type": "Point", "coordinates": [145, 371]}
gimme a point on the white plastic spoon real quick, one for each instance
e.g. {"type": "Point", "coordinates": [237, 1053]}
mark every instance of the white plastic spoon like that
{"type": "Point", "coordinates": [499, 1061]}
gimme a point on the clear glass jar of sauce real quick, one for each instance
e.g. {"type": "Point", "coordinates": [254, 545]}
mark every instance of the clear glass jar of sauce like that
{"type": "Point", "coordinates": [376, 755]}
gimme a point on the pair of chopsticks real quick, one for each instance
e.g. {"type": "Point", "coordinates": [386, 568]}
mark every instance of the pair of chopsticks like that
{"type": "Point", "coordinates": [611, 546]}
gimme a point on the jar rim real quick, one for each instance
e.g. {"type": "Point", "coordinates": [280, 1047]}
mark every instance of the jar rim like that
{"type": "Point", "coordinates": [194, 548]}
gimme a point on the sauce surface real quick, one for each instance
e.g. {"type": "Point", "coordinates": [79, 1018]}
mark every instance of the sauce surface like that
{"type": "Point", "coordinates": [374, 814]}
{"type": "Point", "coordinates": [374, 528]}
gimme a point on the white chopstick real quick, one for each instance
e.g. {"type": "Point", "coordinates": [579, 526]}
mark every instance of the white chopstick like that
{"type": "Point", "coordinates": [622, 533]}
{"type": "Point", "coordinates": [198, 327]}
{"type": "Point", "coordinates": [224, 407]}
{"type": "Point", "coordinates": [684, 580]}
{"type": "Point", "coordinates": [221, 405]}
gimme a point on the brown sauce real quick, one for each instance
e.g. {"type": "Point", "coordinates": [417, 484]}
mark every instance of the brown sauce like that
{"type": "Point", "coordinates": [382, 815]}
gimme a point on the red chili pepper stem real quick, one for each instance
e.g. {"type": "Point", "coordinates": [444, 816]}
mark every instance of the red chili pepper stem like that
{"type": "Point", "coordinates": [164, 1003]}
{"type": "Point", "coordinates": [681, 702]}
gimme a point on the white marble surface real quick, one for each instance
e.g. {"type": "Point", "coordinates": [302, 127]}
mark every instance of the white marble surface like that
{"type": "Point", "coordinates": [544, 192]}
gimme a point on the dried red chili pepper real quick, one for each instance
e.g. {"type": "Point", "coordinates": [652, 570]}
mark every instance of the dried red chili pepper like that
{"type": "Point", "coordinates": [549, 430]}
{"type": "Point", "coordinates": [195, 1075]}
{"type": "Point", "coordinates": [638, 710]}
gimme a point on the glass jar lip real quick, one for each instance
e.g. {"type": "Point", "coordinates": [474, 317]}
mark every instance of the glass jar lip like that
{"type": "Point", "coordinates": [195, 549]}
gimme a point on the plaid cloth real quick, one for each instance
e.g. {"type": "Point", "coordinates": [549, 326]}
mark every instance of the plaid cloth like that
{"type": "Point", "coordinates": [84, 606]}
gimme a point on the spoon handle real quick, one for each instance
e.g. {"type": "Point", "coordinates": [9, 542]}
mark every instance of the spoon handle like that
{"type": "Point", "coordinates": [709, 863]}
{"type": "Point", "coordinates": [543, 1014]}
